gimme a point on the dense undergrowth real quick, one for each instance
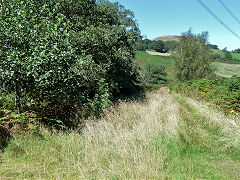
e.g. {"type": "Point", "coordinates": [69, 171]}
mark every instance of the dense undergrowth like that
{"type": "Point", "coordinates": [224, 93]}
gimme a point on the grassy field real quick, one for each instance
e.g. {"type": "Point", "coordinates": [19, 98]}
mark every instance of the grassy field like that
{"type": "Point", "coordinates": [234, 55]}
{"type": "Point", "coordinates": [143, 58]}
{"type": "Point", "coordinates": [226, 70]}
{"type": "Point", "coordinates": [221, 69]}
{"type": "Point", "coordinates": [167, 136]}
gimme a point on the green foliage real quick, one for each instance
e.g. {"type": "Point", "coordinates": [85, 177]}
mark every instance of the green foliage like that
{"type": "Point", "coordinates": [237, 50]}
{"type": "Point", "coordinates": [101, 99]}
{"type": "Point", "coordinates": [225, 93]}
{"type": "Point", "coordinates": [157, 46]}
{"type": "Point", "coordinates": [213, 46]}
{"type": "Point", "coordinates": [228, 55]}
{"type": "Point", "coordinates": [7, 100]}
{"type": "Point", "coordinates": [155, 74]}
{"type": "Point", "coordinates": [170, 46]}
{"type": "Point", "coordinates": [192, 57]}
{"type": "Point", "coordinates": [143, 45]}
{"type": "Point", "coordinates": [57, 52]}
{"type": "Point", "coordinates": [107, 32]}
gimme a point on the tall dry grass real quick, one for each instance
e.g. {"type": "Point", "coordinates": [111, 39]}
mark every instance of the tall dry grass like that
{"type": "Point", "coordinates": [134, 140]}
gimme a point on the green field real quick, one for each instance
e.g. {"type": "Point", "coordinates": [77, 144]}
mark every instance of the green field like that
{"type": "Point", "coordinates": [221, 69]}
{"type": "Point", "coordinates": [144, 57]}
{"type": "Point", "coordinates": [220, 52]}
{"type": "Point", "coordinates": [226, 70]}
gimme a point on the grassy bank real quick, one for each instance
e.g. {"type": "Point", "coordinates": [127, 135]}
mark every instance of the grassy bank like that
{"type": "Point", "coordinates": [226, 70]}
{"type": "Point", "coordinates": [165, 136]}
{"type": "Point", "coordinates": [223, 93]}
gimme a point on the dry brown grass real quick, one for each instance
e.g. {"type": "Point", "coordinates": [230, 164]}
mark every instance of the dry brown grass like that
{"type": "Point", "coordinates": [134, 140]}
{"type": "Point", "coordinates": [229, 126]}
{"type": "Point", "coordinates": [158, 53]}
{"type": "Point", "coordinates": [125, 137]}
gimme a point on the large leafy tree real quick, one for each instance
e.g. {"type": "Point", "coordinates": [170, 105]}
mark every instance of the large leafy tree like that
{"type": "Point", "coordinates": [193, 56]}
{"type": "Point", "coordinates": [67, 51]}
{"type": "Point", "coordinates": [108, 33]}
{"type": "Point", "coordinates": [170, 46]}
{"type": "Point", "coordinates": [157, 46]}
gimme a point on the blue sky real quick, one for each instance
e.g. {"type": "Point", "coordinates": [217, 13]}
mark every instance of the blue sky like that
{"type": "Point", "coordinates": [172, 17]}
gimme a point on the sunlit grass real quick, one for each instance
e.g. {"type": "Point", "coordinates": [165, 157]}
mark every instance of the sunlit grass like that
{"type": "Point", "coordinates": [226, 70]}
{"type": "Point", "coordinates": [164, 136]}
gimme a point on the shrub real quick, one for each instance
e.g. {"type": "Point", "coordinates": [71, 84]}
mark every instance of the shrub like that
{"type": "Point", "coordinates": [193, 57]}
{"type": "Point", "coordinates": [227, 55]}
{"type": "Point", "coordinates": [155, 74]}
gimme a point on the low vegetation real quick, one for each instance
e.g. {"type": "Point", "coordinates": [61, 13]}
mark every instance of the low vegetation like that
{"type": "Point", "coordinates": [77, 100]}
{"type": "Point", "coordinates": [164, 136]}
{"type": "Point", "coordinates": [224, 93]}
{"type": "Point", "coordinates": [226, 70]}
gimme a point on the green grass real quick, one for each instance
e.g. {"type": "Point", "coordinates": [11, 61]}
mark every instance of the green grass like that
{"type": "Point", "coordinates": [220, 52]}
{"type": "Point", "coordinates": [166, 137]}
{"type": "Point", "coordinates": [221, 69]}
{"type": "Point", "coordinates": [143, 58]}
{"type": "Point", "coordinates": [226, 70]}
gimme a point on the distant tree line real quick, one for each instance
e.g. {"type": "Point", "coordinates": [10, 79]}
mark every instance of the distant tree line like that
{"type": "Point", "coordinates": [236, 50]}
{"type": "Point", "coordinates": [159, 46]}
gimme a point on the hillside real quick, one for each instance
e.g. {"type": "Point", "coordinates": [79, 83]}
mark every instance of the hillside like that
{"type": "Point", "coordinates": [226, 70]}
{"type": "Point", "coordinates": [221, 53]}
{"type": "Point", "coordinates": [167, 38]}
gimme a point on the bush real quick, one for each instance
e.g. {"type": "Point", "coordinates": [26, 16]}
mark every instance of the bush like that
{"type": "Point", "coordinates": [155, 74]}
{"type": "Point", "coordinates": [58, 52]}
{"type": "Point", "coordinates": [227, 55]}
{"type": "Point", "coordinates": [193, 57]}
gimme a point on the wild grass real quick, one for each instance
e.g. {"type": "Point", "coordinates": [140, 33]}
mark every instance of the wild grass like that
{"type": "Point", "coordinates": [226, 70]}
{"type": "Point", "coordinates": [165, 136]}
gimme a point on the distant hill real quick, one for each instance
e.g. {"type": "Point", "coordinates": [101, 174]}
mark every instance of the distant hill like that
{"type": "Point", "coordinates": [167, 38]}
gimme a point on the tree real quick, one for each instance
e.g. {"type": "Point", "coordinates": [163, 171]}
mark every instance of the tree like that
{"type": "Point", "coordinates": [213, 46]}
{"type": "Point", "coordinates": [108, 33]}
{"type": "Point", "coordinates": [192, 57]}
{"type": "Point", "coordinates": [227, 55]}
{"type": "Point", "coordinates": [157, 46]}
{"type": "Point", "coordinates": [67, 51]}
{"type": "Point", "coordinates": [170, 46]}
{"type": "Point", "coordinates": [237, 50]}
{"type": "Point", "coordinates": [143, 45]}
